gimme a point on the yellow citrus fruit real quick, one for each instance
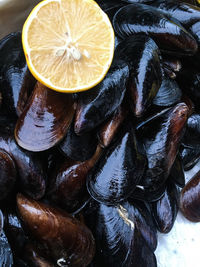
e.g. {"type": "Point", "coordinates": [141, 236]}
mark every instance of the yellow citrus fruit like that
{"type": "Point", "coordinates": [68, 44]}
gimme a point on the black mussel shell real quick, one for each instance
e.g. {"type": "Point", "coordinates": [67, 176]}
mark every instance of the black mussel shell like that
{"type": "Point", "coordinates": [177, 174]}
{"type": "Point", "coordinates": [117, 173]}
{"type": "Point", "coordinates": [6, 257]}
{"type": "Point", "coordinates": [64, 238]}
{"type": "Point", "coordinates": [192, 134]}
{"type": "Point", "coordinates": [167, 33]}
{"type": "Point", "coordinates": [45, 119]}
{"type": "Point", "coordinates": [185, 13]}
{"type": "Point", "coordinates": [96, 106]}
{"type": "Point", "coordinates": [16, 83]}
{"type": "Point", "coordinates": [144, 222]}
{"type": "Point", "coordinates": [190, 199]}
{"type": "Point", "coordinates": [68, 182]}
{"type": "Point", "coordinates": [165, 209]}
{"type": "Point", "coordinates": [190, 156]}
{"type": "Point", "coordinates": [143, 56]}
{"type": "Point", "coordinates": [161, 139]}
{"type": "Point", "coordinates": [31, 167]}
{"type": "Point", "coordinates": [189, 82]}
{"type": "Point", "coordinates": [118, 237]}
{"type": "Point", "coordinates": [195, 30]}
{"type": "Point", "coordinates": [110, 7]}
{"type": "Point", "coordinates": [8, 174]}
{"type": "Point", "coordinates": [109, 129]}
{"type": "Point", "coordinates": [79, 147]}
{"type": "Point", "coordinates": [15, 234]}
{"type": "Point", "coordinates": [168, 94]}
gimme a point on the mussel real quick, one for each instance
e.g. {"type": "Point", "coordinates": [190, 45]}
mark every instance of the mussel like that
{"type": "Point", "coordinates": [189, 156]}
{"type": "Point", "coordinates": [161, 138]}
{"type": "Point", "coordinates": [30, 167]}
{"type": "Point", "coordinates": [117, 173]}
{"type": "Point", "coordinates": [119, 239]}
{"type": "Point", "coordinates": [168, 94]}
{"type": "Point", "coordinates": [8, 174]}
{"type": "Point", "coordinates": [16, 83]}
{"type": "Point", "coordinates": [192, 134]}
{"type": "Point", "coordinates": [186, 14]}
{"type": "Point", "coordinates": [177, 174]}
{"type": "Point", "coordinates": [168, 33]}
{"type": "Point", "coordinates": [109, 130]}
{"type": "Point", "coordinates": [165, 209]}
{"type": "Point", "coordinates": [68, 182]}
{"type": "Point", "coordinates": [143, 57]}
{"type": "Point", "coordinates": [190, 199]}
{"type": "Point", "coordinates": [97, 105]}
{"type": "Point", "coordinates": [45, 119]}
{"type": "Point", "coordinates": [79, 147]}
{"type": "Point", "coordinates": [65, 239]}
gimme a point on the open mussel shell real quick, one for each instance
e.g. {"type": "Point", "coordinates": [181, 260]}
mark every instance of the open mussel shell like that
{"type": "Point", "coordinates": [108, 131]}
{"type": "Point", "coordinates": [161, 138]}
{"type": "Point", "coordinates": [65, 238]}
{"type": "Point", "coordinates": [118, 237]}
{"type": "Point", "coordinates": [117, 173]}
{"type": "Point", "coordinates": [165, 209]}
{"type": "Point", "coordinates": [167, 33]}
{"type": "Point", "coordinates": [98, 104]}
{"type": "Point", "coordinates": [68, 185]}
{"type": "Point", "coordinates": [177, 174]}
{"type": "Point", "coordinates": [79, 147]}
{"type": "Point", "coordinates": [45, 120]}
{"type": "Point", "coordinates": [143, 56]}
{"type": "Point", "coordinates": [192, 134]}
{"type": "Point", "coordinates": [16, 82]}
{"type": "Point", "coordinates": [31, 167]}
{"type": "Point", "coordinates": [185, 13]}
{"type": "Point", "coordinates": [190, 199]}
{"type": "Point", "coordinates": [8, 174]}
{"type": "Point", "coordinates": [168, 94]}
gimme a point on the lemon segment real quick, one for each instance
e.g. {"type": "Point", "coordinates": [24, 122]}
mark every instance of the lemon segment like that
{"type": "Point", "coordinates": [68, 44]}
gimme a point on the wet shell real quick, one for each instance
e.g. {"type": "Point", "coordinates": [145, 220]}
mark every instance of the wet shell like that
{"type": "Point", "coordinates": [109, 130]}
{"type": "Point", "coordinates": [118, 237]}
{"type": "Point", "coordinates": [79, 148]}
{"type": "Point", "coordinates": [190, 199]}
{"type": "Point", "coordinates": [8, 174]}
{"type": "Point", "coordinates": [192, 135]}
{"type": "Point", "coordinates": [30, 167]}
{"type": "Point", "coordinates": [45, 120]}
{"type": "Point", "coordinates": [117, 173]}
{"type": "Point", "coordinates": [168, 34]}
{"type": "Point", "coordinates": [168, 94]}
{"type": "Point", "coordinates": [161, 140]}
{"type": "Point", "coordinates": [98, 104]}
{"type": "Point", "coordinates": [68, 185]}
{"type": "Point", "coordinates": [165, 209]}
{"type": "Point", "coordinates": [190, 157]}
{"type": "Point", "coordinates": [65, 238]}
{"type": "Point", "coordinates": [6, 258]}
{"type": "Point", "coordinates": [143, 56]}
{"type": "Point", "coordinates": [177, 174]}
{"type": "Point", "coordinates": [186, 14]}
{"type": "Point", "coordinates": [16, 83]}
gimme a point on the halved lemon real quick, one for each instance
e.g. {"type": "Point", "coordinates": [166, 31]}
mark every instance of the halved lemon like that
{"type": "Point", "coordinates": [68, 44]}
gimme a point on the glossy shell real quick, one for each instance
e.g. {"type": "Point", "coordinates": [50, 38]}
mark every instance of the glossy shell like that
{"type": "Point", "coordinates": [96, 105]}
{"type": "Point", "coordinates": [118, 171]}
{"type": "Point", "coordinates": [190, 199]}
{"type": "Point", "coordinates": [139, 18]}
{"type": "Point", "coordinates": [143, 57]}
{"type": "Point", "coordinates": [66, 238]}
{"type": "Point", "coordinates": [45, 120]}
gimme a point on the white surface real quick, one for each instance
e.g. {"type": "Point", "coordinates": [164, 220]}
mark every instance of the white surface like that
{"type": "Point", "coordinates": [180, 248]}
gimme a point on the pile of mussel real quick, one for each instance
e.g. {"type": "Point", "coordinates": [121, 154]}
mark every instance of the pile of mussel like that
{"type": "Point", "coordinates": [88, 179]}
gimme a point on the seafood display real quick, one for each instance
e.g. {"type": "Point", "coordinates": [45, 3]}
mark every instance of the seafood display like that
{"type": "Point", "coordinates": [88, 178]}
